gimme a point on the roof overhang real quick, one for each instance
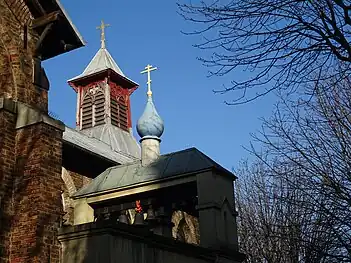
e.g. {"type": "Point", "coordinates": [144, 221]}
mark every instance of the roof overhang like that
{"type": "Point", "coordinates": [147, 186]}
{"type": "Point", "coordinates": [137, 188]}
{"type": "Point", "coordinates": [109, 73]}
{"type": "Point", "coordinates": [57, 33]}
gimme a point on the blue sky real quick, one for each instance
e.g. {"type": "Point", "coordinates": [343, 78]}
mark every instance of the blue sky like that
{"type": "Point", "coordinates": [149, 32]}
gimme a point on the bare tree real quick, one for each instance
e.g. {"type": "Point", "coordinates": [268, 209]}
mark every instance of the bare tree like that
{"type": "Point", "coordinates": [314, 138]}
{"type": "Point", "coordinates": [275, 225]}
{"type": "Point", "coordinates": [284, 44]}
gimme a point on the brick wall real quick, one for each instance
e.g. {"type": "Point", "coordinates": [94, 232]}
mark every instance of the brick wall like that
{"type": "Point", "coordinates": [37, 195]}
{"type": "Point", "coordinates": [7, 162]}
{"type": "Point", "coordinates": [31, 186]}
{"type": "Point", "coordinates": [16, 63]}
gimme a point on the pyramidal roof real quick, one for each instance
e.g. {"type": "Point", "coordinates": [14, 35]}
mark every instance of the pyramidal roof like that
{"type": "Point", "coordinates": [100, 62]}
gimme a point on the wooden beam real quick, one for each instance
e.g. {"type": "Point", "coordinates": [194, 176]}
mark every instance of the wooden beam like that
{"type": "Point", "coordinates": [41, 39]}
{"type": "Point", "coordinates": [46, 19]}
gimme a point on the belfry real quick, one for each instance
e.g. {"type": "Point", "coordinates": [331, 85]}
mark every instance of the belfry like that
{"type": "Point", "coordinates": [94, 193]}
{"type": "Point", "coordinates": [103, 102]}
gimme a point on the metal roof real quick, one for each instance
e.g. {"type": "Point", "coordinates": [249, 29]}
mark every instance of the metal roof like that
{"type": "Point", "coordinates": [119, 140]}
{"type": "Point", "coordinates": [184, 162]}
{"type": "Point", "coordinates": [103, 148]}
{"type": "Point", "coordinates": [101, 61]}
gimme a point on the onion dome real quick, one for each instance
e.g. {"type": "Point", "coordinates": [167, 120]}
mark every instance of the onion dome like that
{"type": "Point", "coordinates": [150, 124]}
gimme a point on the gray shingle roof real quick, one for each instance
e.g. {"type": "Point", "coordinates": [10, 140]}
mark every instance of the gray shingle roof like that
{"type": "Point", "coordinates": [117, 152]}
{"type": "Point", "coordinates": [174, 164]}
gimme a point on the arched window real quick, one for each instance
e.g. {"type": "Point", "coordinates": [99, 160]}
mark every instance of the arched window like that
{"type": "Point", "coordinates": [119, 112]}
{"type": "Point", "coordinates": [87, 112]}
{"type": "Point", "coordinates": [99, 103]}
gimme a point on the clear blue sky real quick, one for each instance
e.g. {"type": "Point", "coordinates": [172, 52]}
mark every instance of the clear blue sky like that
{"type": "Point", "coordinates": [149, 32]}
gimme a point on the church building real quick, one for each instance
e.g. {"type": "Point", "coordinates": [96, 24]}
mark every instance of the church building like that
{"type": "Point", "coordinates": [94, 192]}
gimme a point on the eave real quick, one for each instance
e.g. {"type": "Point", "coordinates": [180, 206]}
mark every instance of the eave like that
{"type": "Point", "coordinates": [57, 33]}
{"type": "Point", "coordinates": [109, 73]}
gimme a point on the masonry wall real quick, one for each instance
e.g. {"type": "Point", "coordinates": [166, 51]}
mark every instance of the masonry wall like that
{"type": "Point", "coordinates": [17, 45]}
{"type": "Point", "coordinates": [31, 153]}
{"type": "Point", "coordinates": [37, 194]}
{"type": "Point", "coordinates": [7, 164]}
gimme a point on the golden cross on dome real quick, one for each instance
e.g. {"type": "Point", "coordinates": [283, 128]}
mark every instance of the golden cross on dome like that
{"type": "Point", "coordinates": [147, 70]}
{"type": "Point", "coordinates": [102, 28]}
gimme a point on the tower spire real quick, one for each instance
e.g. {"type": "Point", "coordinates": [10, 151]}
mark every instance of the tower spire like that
{"type": "Point", "coordinates": [102, 28]}
{"type": "Point", "coordinates": [148, 70]}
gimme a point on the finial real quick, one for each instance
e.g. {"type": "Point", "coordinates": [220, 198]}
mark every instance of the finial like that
{"type": "Point", "coordinates": [102, 28]}
{"type": "Point", "coordinates": [147, 70]}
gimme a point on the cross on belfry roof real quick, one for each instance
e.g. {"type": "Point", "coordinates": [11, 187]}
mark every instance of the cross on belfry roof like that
{"type": "Point", "coordinates": [102, 28]}
{"type": "Point", "coordinates": [147, 70]}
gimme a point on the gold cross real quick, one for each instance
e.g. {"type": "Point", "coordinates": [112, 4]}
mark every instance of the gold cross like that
{"type": "Point", "coordinates": [147, 70]}
{"type": "Point", "coordinates": [102, 28]}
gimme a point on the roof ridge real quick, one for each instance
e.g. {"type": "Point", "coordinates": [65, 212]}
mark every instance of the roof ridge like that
{"type": "Point", "coordinates": [205, 157]}
{"type": "Point", "coordinates": [181, 151]}
{"type": "Point", "coordinates": [212, 162]}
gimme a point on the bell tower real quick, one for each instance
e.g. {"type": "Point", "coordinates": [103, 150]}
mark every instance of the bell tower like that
{"type": "Point", "coordinates": [103, 92]}
{"type": "Point", "coordinates": [103, 101]}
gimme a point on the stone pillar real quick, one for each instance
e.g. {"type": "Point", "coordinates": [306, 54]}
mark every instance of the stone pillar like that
{"type": "Point", "coordinates": [150, 150]}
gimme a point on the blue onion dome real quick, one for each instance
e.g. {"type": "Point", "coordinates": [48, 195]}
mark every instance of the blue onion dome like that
{"type": "Point", "coordinates": [150, 124]}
